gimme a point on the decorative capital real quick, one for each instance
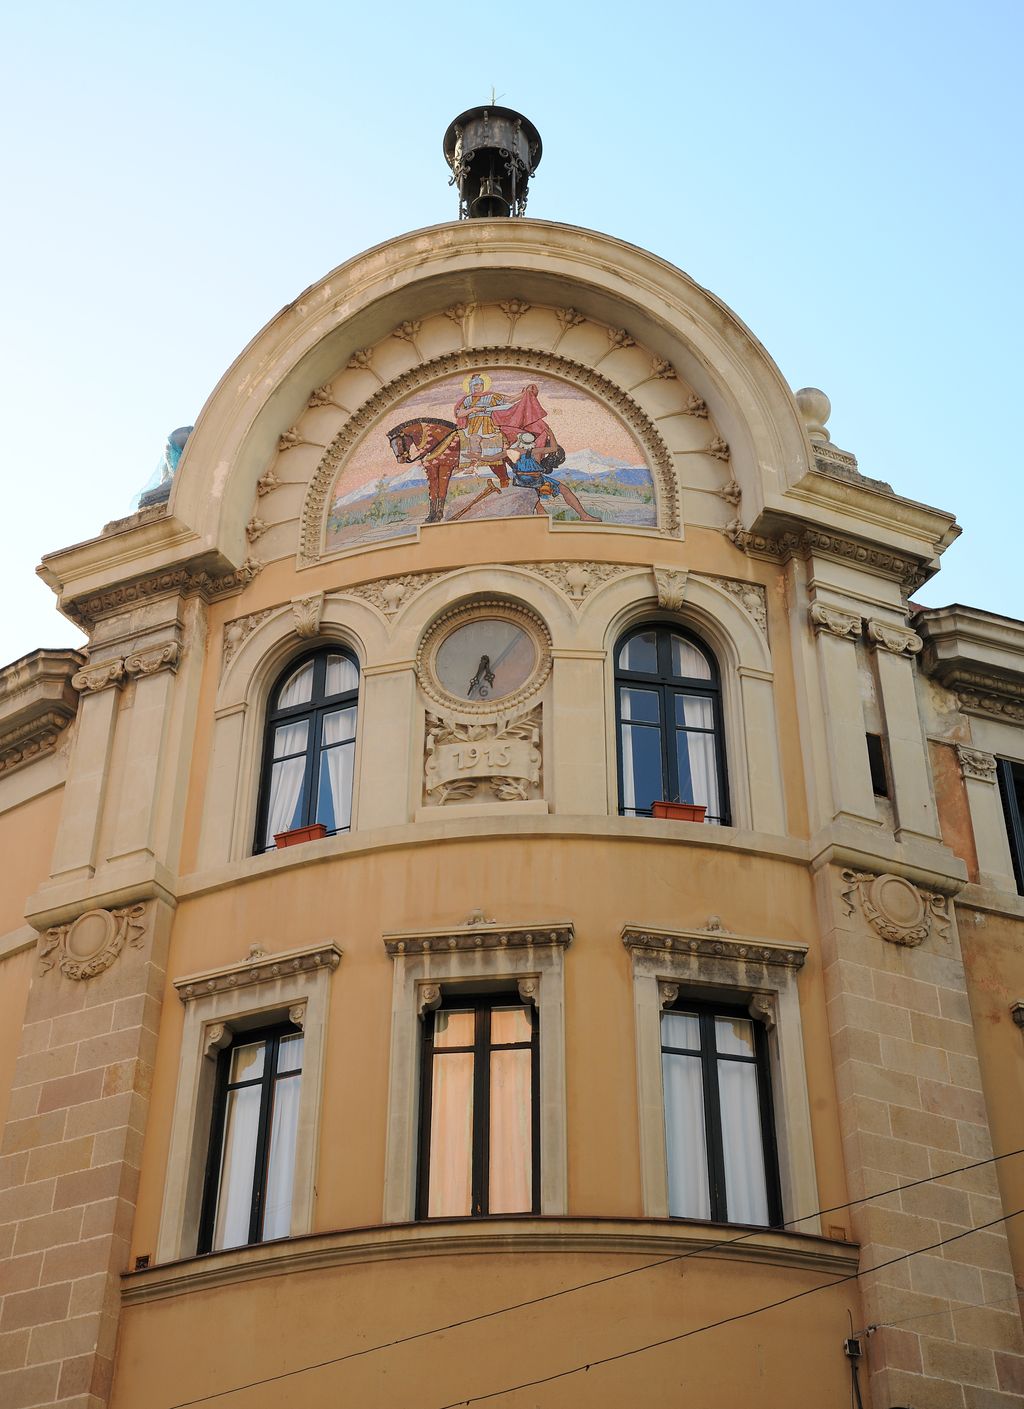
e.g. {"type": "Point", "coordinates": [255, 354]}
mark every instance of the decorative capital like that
{"type": "Point", "coordinates": [974, 763]}
{"type": "Point", "coordinates": [92, 678]}
{"type": "Point", "coordinates": [894, 638]}
{"type": "Point", "coordinates": [90, 944]}
{"type": "Point", "coordinates": [671, 586]}
{"type": "Point", "coordinates": [307, 612]}
{"type": "Point", "coordinates": [896, 910]}
{"type": "Point", "coordinates": [836, 622]}
{"type": "Point", "coordinates": [153, 659]}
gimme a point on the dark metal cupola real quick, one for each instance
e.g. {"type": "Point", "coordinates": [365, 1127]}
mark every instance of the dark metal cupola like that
{"type": "Point", "coordinates": [492, 152]}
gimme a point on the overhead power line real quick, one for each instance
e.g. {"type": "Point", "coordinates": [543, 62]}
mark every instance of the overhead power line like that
{"type": "Point", "coordinates": [706, 1251]}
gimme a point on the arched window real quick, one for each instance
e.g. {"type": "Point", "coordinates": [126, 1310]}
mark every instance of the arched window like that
{"type": "Point", "coordinates": [668, 708]}
{"type": "Point", "coordinates": [310, 747]}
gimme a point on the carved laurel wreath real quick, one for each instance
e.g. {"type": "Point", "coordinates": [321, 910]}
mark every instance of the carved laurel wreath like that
{"type": "Point", "coordinates": [314, 510]}
{"type": "Point", "coordinates": [896, 910]}
{"type": "Point", "coordinates": [450, 621]}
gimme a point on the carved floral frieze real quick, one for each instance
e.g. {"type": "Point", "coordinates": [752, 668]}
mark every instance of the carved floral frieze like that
{"type": "Point", "coordinates": [898, 911]}
{"type": "Point", "coordinates": [466, 762]}
{"type": "Point", "coordinates": [577, 580]}
{"type": "Point", "coordinates": [388, 594]}
{"type": "Point", "coordinates": [91, 943]}
{"type": "Point", "coordinates": [784, 545]}
{"type": "Point", "coordinates": [181, 582]}
{"type": "Point", "coordinates": [714, 943]}
{"type": "Point", "coordinates": [237, 632]}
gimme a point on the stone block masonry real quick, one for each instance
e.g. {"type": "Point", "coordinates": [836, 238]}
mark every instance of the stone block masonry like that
{"type": "Point", "coordinates": [70, 1159]}
{"type": "Point", "coordinates": [911, 1107]}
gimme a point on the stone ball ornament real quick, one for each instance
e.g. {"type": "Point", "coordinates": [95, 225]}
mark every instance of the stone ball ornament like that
{"type": "Point", "coordinates": [815, 409]}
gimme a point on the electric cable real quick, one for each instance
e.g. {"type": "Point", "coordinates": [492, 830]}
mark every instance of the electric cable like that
{"type": "Point", "coordinates": [725, 1320]}
{"type": "Point", "coordinates": [706, 1251]}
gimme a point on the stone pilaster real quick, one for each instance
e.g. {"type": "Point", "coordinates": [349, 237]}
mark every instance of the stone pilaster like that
{"type": "Point", "coordinates": [837, 634]}
{"type": "Point", "coordinates": [895, 649]}
{"type": "Point", "coordinates": [71, 1152]}
{"type": "Point", "coordinates": [911, 1106]}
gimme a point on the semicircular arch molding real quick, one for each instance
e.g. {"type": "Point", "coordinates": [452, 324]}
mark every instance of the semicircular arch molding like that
{"type": "Point", "coordinates": [269, 384]}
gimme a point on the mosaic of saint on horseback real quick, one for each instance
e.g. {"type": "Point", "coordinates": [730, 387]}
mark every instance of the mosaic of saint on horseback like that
{"type": "Point", "coordinates": [494, 444]}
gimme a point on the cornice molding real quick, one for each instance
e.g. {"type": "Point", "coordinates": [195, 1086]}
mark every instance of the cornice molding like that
{"type": "Point", "coordinates": [258, 967]}
{"type": "Point", "coordinates": [714, 943]}
{"type": "Point", "coordinates": [37, 703]}
{"type": "Point", "coordinates": [86, 610]}
{"type": "Point", "coordinates": [802, 542]}
{"type": "Point", "coordinates": [485, 934]}
{"type": "Point", "coordinates": [315, 505]}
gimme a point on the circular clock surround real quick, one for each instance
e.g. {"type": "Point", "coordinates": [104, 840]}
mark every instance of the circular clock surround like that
{"type": "Point", "coordinates": [484, 658]}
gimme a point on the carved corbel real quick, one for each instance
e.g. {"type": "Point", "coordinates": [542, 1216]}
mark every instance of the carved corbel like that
{"type": "Point", "coordinates": [255, 529]}
{"type": "Point", "coordinates": [297, 1015]}
{"type": "Point", "coordinates": [569, 318]}
{"type": "Point", "coordinates": [428, 998]}
{"type": "Point", "coordinates": [98, 677]}
{"type": "Point", "coordinates": [975, 763]}
{"type": "Point", "coordinates": [152, 660]}
{"type": "Point", "coordinates": [216, 1037]}
{"type": "Point", "coordinates": [292, 437]}
{"type": "Point", "coordinates": [307, 612]}
{"type": "Point", "coordinates": [667, 993]}
{"type": "Point", "coordinates": [671, 586]}
{"type": "Point", "coordinates": [406, 332]}
{"type": "Point", "coordinates": [618, 337]}
{"type": "Point", "coordinates": [894, 638]}
{"type": "Point", "coordinates": [836, 622]}
{"type": "Point", "coordinates": [266, 483]}
{"type": "Point", "coordinates": [662, 369]}
{"type": "Point", "coordinates": [529, 989]}
{"type": "Point", "coordinates": [762, 1009]}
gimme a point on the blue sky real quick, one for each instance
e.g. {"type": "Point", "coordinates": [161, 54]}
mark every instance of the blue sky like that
{"type": "Point", "coordinates": [846, 177]}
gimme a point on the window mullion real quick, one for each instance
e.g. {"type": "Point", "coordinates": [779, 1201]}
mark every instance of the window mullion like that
{"type": "Point", "coordinates": [259, 1177]}
{"type": "Point", "coordinates": [713, 1119]}
{"type": "Point", "coordinates": [481, 1108]}
{"type": "Point", "coordinates": [211, 1182]}
{"type": "Point", "coordinates": [769, 1144]}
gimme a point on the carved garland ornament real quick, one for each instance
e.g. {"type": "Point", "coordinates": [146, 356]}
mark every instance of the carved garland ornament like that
{"type": "Point", "coordinates": [90, 944]}
{"type": "Point", "coordinates": [465, 760]}
{"type": "Point", "coordinates": [314, 509]}
{"type": "Point", "coordinates": [896, 910]}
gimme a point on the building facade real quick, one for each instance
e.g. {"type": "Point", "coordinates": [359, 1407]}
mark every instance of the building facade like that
{"type": "Point", "coordinates": [513, 884]}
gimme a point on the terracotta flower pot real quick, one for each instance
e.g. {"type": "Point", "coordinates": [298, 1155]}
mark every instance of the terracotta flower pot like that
{"type": "Point", "coordinates": [300, 834]}
{"type": "Point", "coordinates": [679, 811]}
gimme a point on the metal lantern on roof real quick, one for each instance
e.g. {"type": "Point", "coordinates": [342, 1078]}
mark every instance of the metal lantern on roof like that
{"type": "Point", "coordinates": [492, 152]}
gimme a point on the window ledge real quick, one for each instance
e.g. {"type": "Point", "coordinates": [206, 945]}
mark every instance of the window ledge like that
{"type": "Point", "coordinates": [641, 1237]}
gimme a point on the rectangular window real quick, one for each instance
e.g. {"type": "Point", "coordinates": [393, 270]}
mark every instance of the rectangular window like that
{"type": "Point", "coordinates": [719, 1133]}
{"type": "Point", "coordinates": [876, 763]}
{"type": "Point", "coordinates": [1011, 790]}
{"type": "Point", "coordinates": [250, 1168]}
{"type": "Point", "coordinates": [479, 1111]}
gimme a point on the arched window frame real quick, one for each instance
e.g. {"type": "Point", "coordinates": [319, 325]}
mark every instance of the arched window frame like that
{"type": "Point", "coordinates": [669, 685]}
{"type": "Point", "coordinates": [319, 705]}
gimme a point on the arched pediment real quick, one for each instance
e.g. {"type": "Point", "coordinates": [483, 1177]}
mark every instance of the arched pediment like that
{"type": "Point", "coordinates": [635, 319]}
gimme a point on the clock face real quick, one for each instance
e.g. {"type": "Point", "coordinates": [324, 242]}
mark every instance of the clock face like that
{"type": "Point", "coordinates": [486, 659]}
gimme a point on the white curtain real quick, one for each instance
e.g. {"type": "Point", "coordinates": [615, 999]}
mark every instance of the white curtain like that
{"type": "Point", "coordinates": [286, 777]}
{"type": "Point", "coordinates": [510, 1174]}
{"type": "Point", "coordinates": [298, 689]}
{"type": "Point", "coordinates": [237, 1166]}
{"type": "Point", "coordinates": [688, 1194]}
{"type": "Point", "coordinates": [277, 1208]}
{"type": "Point", "coordinates": [696, 751]}
{"type": "Point", "coordinates": [745, 1190]}
{"type": "Point", "coordinates": [688, 662]}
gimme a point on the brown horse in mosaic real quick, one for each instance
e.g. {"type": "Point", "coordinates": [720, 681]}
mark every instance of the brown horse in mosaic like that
{"type": "Point", "coordinates": [437, 446]}
{"type": "Point", "coordinates": [434, 445]}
